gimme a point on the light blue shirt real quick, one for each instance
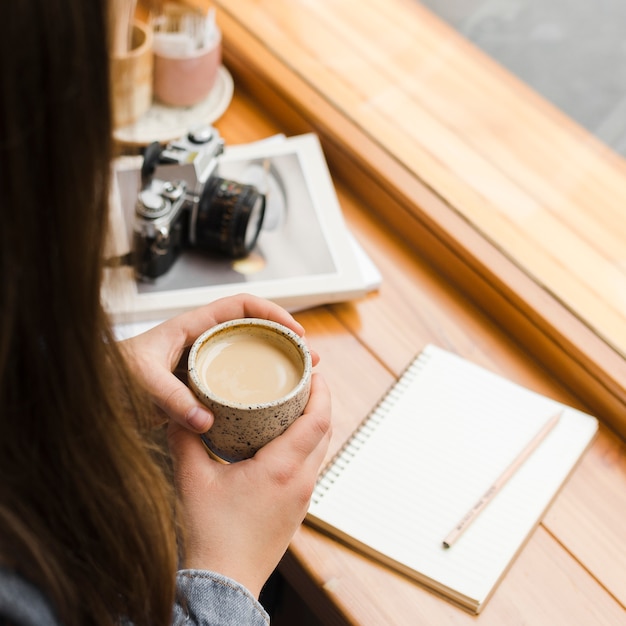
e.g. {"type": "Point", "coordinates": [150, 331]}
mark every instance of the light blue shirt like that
{"type": "Point", "coordinates": [203, 599]}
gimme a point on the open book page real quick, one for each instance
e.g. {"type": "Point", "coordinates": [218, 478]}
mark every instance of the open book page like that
{"type": "Point", "coordinates": [428, 452]}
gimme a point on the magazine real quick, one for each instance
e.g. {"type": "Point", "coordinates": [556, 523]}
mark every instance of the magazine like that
{"type": "Point", "coordinates": [304, 255]}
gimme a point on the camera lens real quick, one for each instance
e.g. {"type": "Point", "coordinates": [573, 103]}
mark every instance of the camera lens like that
{"type": "Point", "coordinates": [230, 216]}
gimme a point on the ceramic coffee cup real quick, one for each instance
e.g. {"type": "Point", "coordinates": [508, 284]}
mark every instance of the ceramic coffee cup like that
{"type": "Point", "coordinates": [255, 376]}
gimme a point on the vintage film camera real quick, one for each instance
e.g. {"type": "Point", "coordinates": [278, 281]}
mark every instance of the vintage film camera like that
{"type": "Point", "coordinates": [183, 203]}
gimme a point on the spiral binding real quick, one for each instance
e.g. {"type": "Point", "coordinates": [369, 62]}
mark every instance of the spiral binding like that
{"type": "Point", "coordinates": [368, 426]}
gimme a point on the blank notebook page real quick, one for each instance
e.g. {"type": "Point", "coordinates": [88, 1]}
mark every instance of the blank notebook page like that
{"type": "Point", "coordinates": [428, 452]}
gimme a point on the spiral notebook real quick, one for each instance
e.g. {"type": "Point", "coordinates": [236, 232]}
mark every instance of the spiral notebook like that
{"type": "Point", "coordinates": [423, 457]}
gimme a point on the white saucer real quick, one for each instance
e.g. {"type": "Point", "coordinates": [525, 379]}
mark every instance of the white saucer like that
{"type": "Point", "coordinates": [163, 123]}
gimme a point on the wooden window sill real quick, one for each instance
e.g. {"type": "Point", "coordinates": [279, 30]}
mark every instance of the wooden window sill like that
{"type": "Point", "coordinates": [499, 191]}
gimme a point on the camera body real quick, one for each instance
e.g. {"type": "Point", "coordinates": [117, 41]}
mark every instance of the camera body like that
{"type": "Point", "coordinates": [184, 203]}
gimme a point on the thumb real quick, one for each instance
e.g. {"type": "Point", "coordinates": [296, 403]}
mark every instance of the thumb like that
{"type": "Point", "coordinates": [181, 404]}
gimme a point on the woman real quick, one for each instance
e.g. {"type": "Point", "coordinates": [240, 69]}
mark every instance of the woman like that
{"type": "Point", "coordinates": [87, 531]}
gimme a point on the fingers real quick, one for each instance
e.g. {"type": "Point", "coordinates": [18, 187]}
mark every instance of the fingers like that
{"type": "Point", "coordinates": [194, 323]}
{"type": "Point", "coordinates": [183, 407]}
{"type": "Point", "coordinates": [306, 440]}
{"type": "Point", "coordinates": [180, 403]}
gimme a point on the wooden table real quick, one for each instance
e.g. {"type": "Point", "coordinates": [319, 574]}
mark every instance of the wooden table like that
{"type": "Point", "coordinates": [517, 206]}
{"type": "Point", "coordinates": [573, 570]}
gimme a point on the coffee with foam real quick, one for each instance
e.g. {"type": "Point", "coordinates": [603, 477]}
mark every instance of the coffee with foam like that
{"type": "Point", "coordinates": [249, 368]}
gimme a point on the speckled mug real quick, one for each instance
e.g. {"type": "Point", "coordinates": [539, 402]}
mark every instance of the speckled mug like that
{"type": "Point", "coordinates": [241, 426]}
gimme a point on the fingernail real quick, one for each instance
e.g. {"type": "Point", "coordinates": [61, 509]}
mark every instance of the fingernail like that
{"type": "Point", "coordinates": [199, 419]}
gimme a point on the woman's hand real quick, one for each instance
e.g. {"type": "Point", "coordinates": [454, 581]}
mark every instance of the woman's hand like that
{"type": "Point", "coordinates": [239, 518]}
{"type": "Point", "coordinates": [155, 354]}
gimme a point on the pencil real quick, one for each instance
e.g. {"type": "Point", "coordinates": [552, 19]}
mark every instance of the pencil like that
{"type": "Point", "coordinates": [519, 460]}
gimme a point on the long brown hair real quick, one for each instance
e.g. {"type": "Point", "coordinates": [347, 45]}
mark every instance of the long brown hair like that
{"type": "Point", "coordinates": [85, 512]}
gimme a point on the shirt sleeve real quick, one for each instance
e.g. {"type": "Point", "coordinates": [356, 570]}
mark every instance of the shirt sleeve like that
{"type": "Point", "coordinates": [23, 604]}
{"type": "Point", "coordinates": [206, 598]}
